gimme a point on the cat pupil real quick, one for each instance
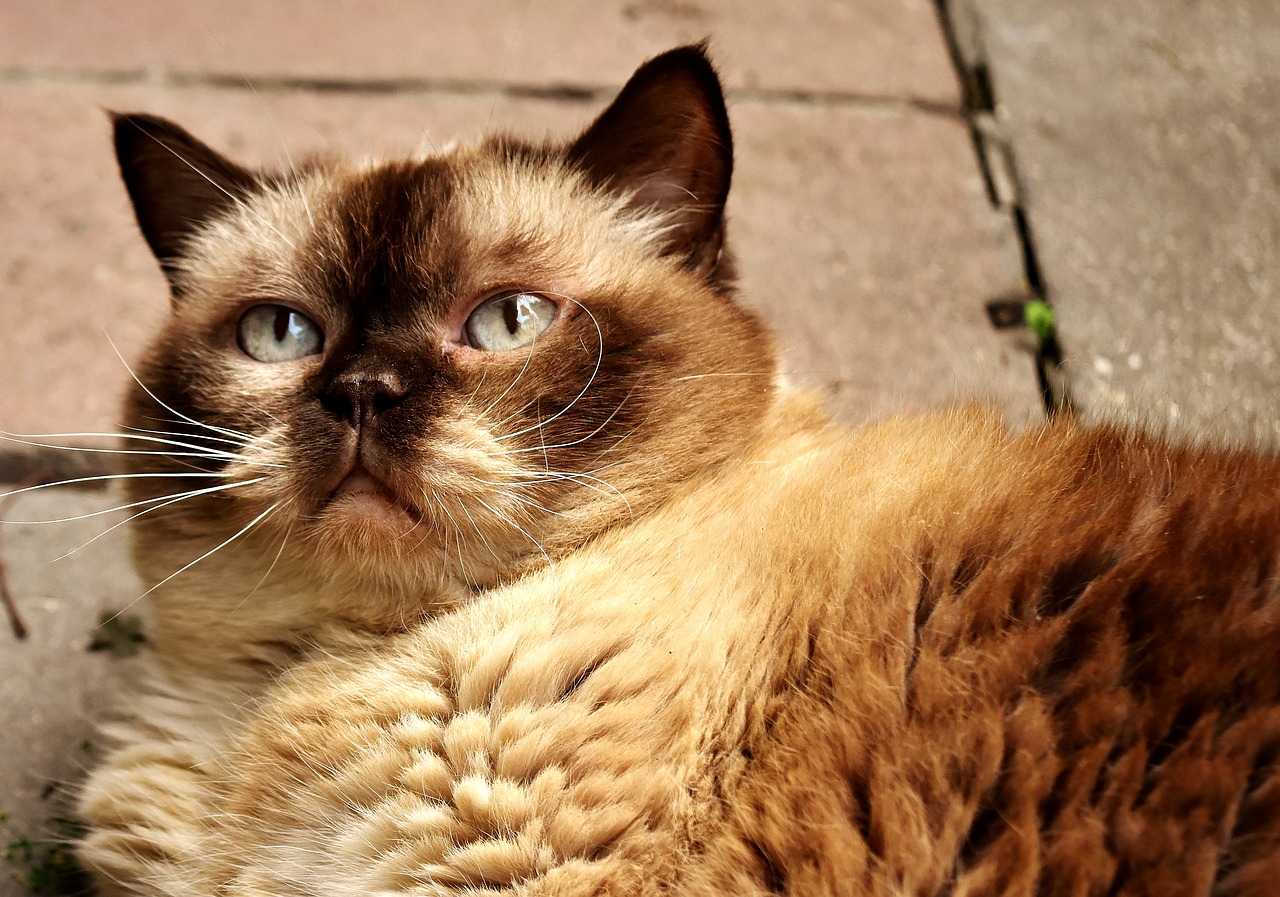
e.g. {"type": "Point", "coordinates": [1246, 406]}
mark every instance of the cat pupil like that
{"type": "Point", "coordinates": [511, 316]}
{"type": "Point", "coordinates": [283, 319]}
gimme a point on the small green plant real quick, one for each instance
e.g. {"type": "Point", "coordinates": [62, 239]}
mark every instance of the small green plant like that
{"type": "Point", "coordinates": [121, 634]}
{"type": "Point", "coordinates": [48, 866]}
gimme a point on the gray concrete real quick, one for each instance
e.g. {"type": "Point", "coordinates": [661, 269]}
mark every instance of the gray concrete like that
{"type": "Point", "coordinates": [53, 689]}
{"type": "Point", "coordinates": [1146, 137]}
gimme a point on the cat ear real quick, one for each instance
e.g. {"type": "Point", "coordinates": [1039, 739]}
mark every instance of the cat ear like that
{"type": "Point", "coordinates": [176, 183]}
{"type": "Point", "coordinates": [665, 141]}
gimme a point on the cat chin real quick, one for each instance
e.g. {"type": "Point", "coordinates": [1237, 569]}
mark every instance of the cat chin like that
{"type": "Point", "coordinates": [371, 525]}
{"type": "Point", "coordinates": [374, 510]}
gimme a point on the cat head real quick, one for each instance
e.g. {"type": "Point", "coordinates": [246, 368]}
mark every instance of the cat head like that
{"type": "Point", "coordinates": [448, 368]}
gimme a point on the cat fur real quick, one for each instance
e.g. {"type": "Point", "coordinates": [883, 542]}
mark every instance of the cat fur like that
{"type": "Point", "coordinates": [737, 649]}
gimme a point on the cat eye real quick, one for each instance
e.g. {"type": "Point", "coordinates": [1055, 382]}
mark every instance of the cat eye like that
{"type": "Point", "coordinates": [274, 333]}
{"type": "Point", "coordinates": [509, 321]}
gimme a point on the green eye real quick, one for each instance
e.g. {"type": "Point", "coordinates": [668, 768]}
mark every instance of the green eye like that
{"type": "Point", "coordinates": [509, 321]}
{"type": "Point", "coordinates": [274, 333]}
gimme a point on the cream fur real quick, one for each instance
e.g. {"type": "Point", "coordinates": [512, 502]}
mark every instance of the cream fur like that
{"type": "Point", "coordinates": [446, 757]}
{"type": "Point", "coordinates": [639, 619]}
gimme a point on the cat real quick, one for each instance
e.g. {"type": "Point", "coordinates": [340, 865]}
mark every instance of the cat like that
{"type": "Point", "coordinates": [490, 554]}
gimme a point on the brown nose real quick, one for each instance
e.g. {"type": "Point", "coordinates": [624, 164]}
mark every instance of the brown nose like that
{"type": "Point", "coordinates": [359, 395]}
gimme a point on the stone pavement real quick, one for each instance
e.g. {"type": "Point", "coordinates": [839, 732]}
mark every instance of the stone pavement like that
{"type": "Point", "coordinates": [1145, 146]}
{"type": "Point", "coordinates": [877, 206]}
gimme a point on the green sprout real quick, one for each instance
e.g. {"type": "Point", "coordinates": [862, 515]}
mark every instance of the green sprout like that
{"type": "Point", "coordinates": [118, 633]}
{"type": "Point", "coordinates": [48, 866]}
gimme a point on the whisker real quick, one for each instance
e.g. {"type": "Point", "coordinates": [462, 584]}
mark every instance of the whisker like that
{"type": "Point", "coordinates": [532, 347]}
{"type": "Point", "coordinates": [498, 425]}
{"type": "Point", "coordinates": [542, 441]}
{"type": "Point", "coordinates": [226, 431]}
{"type": "Point", "coordinates": [112, 476]}
{"type": "Point", "coordinates": [263, 440]}
{"type": "Point", "coordinates": [201, 452]}
{"type": "Point", "coordinates": [466, 406]}
{"type": "Point", "coordinates": [532, 504]}
{"type": "Point", "coordinates": [496, 557]}
{"type": "Point", "coordinates": [536, 544]}
{"type": "Point", "coordinates": [250, 525]}
{"type": "Point", "coordinates": [586, 480]}
{"type": "Point", "coordinates": [457, 533]}
{"type": "Point", "coordinates": [165, 501]}
{"type": "Point", "coordinates": [239, 202]}
{"type": "Point", "coordinates": [586, 386]}
{"type": "Point", "coordinates": [544, 448]}
{"type": "Point", "coordinates": [288, 532]}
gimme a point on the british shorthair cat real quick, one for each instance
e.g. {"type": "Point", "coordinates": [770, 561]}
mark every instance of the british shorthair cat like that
{"type": "Point", "coordinates": [489, 554]}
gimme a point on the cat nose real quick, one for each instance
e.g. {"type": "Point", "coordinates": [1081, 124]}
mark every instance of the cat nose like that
{"type": "Point", "coordinates": [358, 396]}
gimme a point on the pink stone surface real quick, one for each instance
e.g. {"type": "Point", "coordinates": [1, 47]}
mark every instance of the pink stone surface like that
{"type": "Point", "coordinates": [863, 235]}
{"type": "Point", "coordinates": [889, 48]}
{"type": "Point", "coordinates": [867, 239]}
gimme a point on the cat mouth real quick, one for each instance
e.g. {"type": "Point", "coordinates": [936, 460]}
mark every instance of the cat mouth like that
{"type": "Point", "coordinates": [362, 495]}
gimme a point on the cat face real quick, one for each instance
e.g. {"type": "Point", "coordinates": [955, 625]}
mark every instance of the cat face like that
{"type": "Point", "coordinates": [454, 366]}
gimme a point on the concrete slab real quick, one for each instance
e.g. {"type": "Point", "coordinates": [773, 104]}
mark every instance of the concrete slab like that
{"type": "Point", "coordinates": [864, 235]}
{"type": "Point", "coordinates": [866, 239]}
{"type": "Point", "coordinates": [886, 48]}
{"type": "Point", "coordinates": [72, 274]}
{"type": "Point", "coordinates": [53, 688]}
{"type": "Point", "coordinates": [1146, 146]}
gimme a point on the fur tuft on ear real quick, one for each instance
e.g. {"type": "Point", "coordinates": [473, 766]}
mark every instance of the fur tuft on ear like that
{"type": "Point", "coordinates": [176, 183]}
{"type": "Point", "coordinates": [665, 141]}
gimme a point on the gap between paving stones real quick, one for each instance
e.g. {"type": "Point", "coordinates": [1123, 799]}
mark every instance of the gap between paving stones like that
{"type": "Point", "coordinates": [563, 92]}
{"type": "Point", "coordinates": [962, 29]}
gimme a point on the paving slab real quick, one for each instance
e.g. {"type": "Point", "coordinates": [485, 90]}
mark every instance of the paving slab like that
{"type": "Point", "coordinates": [866, 239]}
{"type": "Point", "coordinates": [887, 48]}
{"type": "Point", "coordinates": [863, 233]}
{"type": "Point", "coordinates": [53, 688]}
{"type": "Point", "coordinates": [1145, 138]}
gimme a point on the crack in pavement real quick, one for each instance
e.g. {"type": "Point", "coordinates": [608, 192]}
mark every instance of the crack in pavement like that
{"type": "Point", "coordinates": [553, 91]}
{"type": "Point", "coordinates": [998, 165]}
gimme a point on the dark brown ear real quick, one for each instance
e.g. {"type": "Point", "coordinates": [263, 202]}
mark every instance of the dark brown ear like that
{"type": "Point", "coordinates": [177, 184]}
{"type": "Point", "coordinates": [666, 140]}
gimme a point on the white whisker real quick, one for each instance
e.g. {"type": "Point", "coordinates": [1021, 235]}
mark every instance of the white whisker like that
{"type": "Point", "coordinates": [532, 478]}
{"type": "Point", "coordinates": [536, 544]}
{"type": "Point", "coordinates": [262, 440]}
{"type": "Point", "coordinates": [495, 554]}
{"type": "Point", "coordinates": [457, 533]}
{"type": "Point", "coordinates": [532, 346]}
{"type": "Point", "coordinates": [238, 201]}
{"type": "Point", "coordinates": [199, 451]}
{"type": "Point", "coordinates": [544, 448]}
{"type": "Point", "coordinates": [466, 406]}
{"type": "Point", "coordinates": [250, 525]}
{"type": "Point", "coordinates": [226, 431]}
{"type": "Point", "coordinates": [165, 501]}
{"type": "Point", "coordinates": [529, 503]}
{"type": "Point", "coordinates": [284, 541]}
{"type": "Point", "coordinates": [112, 476]}
{"type": "Point", "coordinates": [582, 392]}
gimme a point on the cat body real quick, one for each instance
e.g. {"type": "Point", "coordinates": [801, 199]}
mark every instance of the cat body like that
{"type": "Point", "coordinates": [608, 609]}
